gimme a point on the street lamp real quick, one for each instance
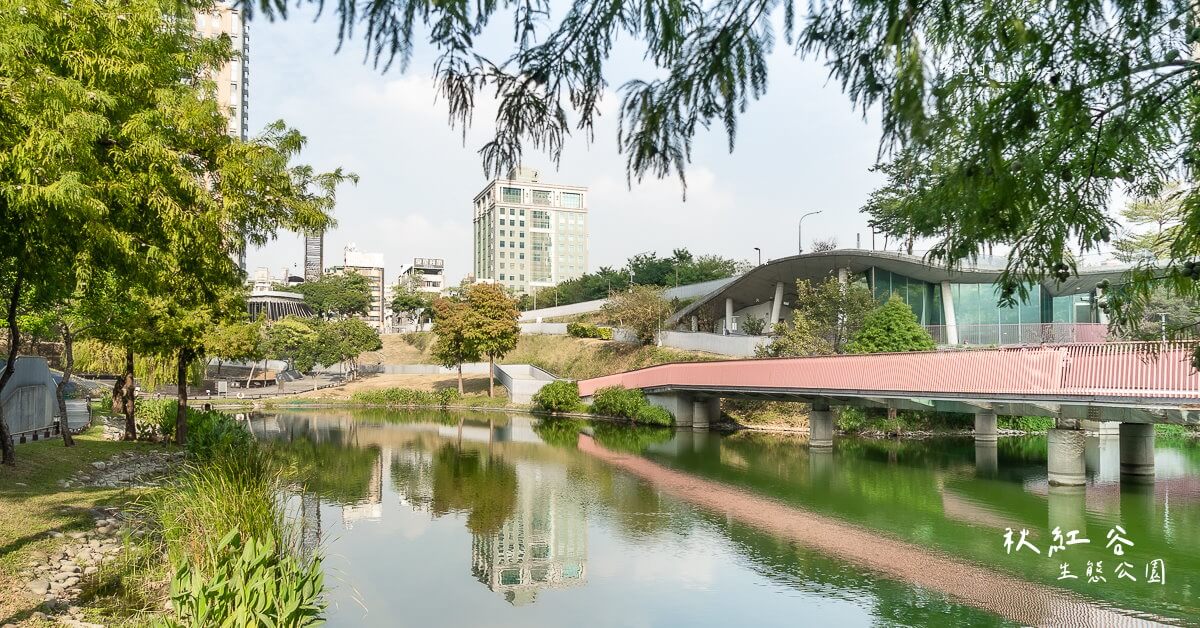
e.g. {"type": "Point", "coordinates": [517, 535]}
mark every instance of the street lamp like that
{"type": "Point", "coordinates": [759, 255]}
{"type": "Point", "coordinates": [800, 228]}
{"type": "Point", "coordinates": [635, 256]}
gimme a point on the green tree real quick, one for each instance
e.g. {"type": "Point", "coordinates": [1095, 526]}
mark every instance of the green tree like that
{"type": "Point", "coordinates": [344, 340]}
{"type": "Point", "coordinates": [1163, 215]}
{"type": "Point", "coordinates": [452, 348]}
{"type": "Point", "coordinates": [642, 309]}
{"type": "Point", "coordinates": [891, 327]}
{"type": "Point", "coordinates": [794, 339]}
{"type": "Point", "coordinates": [491, 325]}
{"type": "Point", "coordinates": [834, 311]}
{"type": "Point", "coordinates": [236, 340]}
{"type": "Point", "coordinates": [293, 339]}
{"type": "Point", "coordinates": [337, 296]}
{"type": "Point", "coordinates": [409, 301]}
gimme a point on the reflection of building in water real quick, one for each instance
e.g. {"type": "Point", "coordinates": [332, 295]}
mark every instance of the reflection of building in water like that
{"type": "Point", "coordinates": [310, 524]}
{"type": "Point", "coordinates": [412, 476]}
{"type": "Point", "coordinates": [542, 545]}
{"type": "Point", "coordinates": [372, 508]}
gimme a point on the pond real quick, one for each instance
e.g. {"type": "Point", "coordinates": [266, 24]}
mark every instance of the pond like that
{"type": "Point", "coordinates": [488, 519]}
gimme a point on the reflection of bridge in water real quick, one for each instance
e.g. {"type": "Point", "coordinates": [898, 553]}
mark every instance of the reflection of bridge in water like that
{"type": "Point", "coordinates": [1114, 388]}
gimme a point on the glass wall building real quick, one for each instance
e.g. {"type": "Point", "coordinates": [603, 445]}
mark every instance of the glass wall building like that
{"type": "Point", "coordinates": [959, 307]}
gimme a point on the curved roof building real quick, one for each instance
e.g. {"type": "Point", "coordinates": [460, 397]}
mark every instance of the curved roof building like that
{"type": "Point", "coordinates": [277, 304]}
{"type": "Point", "coordinates": [956, 306]}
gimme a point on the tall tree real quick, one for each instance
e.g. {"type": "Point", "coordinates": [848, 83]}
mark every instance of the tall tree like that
{"type": "Point", "coordinates": [491, 325]}
{"type": "Point", "coordinates": [834, 310]}
{"type": "Point", "coordinates": [641, 309]}
{"type": "Point", "coordinates": [1162, 214]}
{"type": "Point", "coordinates": [452, 347]}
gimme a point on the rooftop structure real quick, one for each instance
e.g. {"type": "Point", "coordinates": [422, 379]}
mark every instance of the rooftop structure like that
{"type": "Point", "coordinates": [276, 305]}
{"type": "Point", "coordinates": [956, 306]}
{"type": "Point", "coordinates": [369, 265]}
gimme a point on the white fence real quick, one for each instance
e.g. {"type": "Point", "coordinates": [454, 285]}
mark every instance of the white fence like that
{"type": "Point", "coordinates": [554, 329]}
{"type": "Point", "coordinates": [522, 380]}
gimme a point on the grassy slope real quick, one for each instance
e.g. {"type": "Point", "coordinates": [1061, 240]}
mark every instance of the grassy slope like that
{"type": "Point", "coordinates": [564, 356]}
{"type": "Point", "coordinates": [28, 512]}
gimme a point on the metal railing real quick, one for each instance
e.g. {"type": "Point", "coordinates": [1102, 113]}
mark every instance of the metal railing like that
{"type": "Point", "coordinates": [1000, 334]}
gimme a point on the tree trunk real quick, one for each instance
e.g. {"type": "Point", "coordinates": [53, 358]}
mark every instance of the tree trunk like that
{"type": "Point", "coordinates": [253, 363]}
{"type": "Point", "coordinates": [181, 405]}
{"type": "Point", "coordinates": [491, 376]}
{"type": "Point", "coordinates": [14, 336]}
{"type": "Point", "coordinates": [460, 386]}
{"type": "Point", "coordinates": [129, 397]}
{"type": "Point", "coordinates": [68, 366]}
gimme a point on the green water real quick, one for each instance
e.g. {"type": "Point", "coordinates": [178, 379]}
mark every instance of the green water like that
{"type": "Point", "coordinates": [451, 519]}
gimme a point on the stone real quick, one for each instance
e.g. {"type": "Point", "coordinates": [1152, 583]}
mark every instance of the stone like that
{"type": "Point", "coordinates": [39, 586]}
{"type": "Point", "coordinates": [77, 535]}
{"type": "Point", "coordinates": [99, 465]}
{"type": "Point", "coordinates": [69, 568]}
{"type": "Point", "coordinates": [87, 571]}
{"type": "Point", "coordinates": [70, 582]}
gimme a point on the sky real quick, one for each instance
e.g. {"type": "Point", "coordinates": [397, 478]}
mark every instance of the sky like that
{"type": "Point", "coordinates": [800, 148]}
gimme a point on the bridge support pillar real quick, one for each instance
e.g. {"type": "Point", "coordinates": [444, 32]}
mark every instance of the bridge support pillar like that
{"type": "Point", "coordinates": [1066, 460]}
{"type": "Point", "coordinates": [985, 426]}
{"type": "Point", "coordinates": [1066, 508]}
{"type": "Point", "coordinates": [705, 412]}
{"type": "Point", "coordinates": [677, 403]}
{"type": "Point", "coordinates": [1137, 452]}
{"type": "Point", "coordinates": [820, 426]}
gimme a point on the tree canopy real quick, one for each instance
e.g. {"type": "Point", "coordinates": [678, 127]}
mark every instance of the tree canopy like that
{"type": "Point", "coordinates": [336, 295]}
{"type": "Point", "coordinates": [891, 327]}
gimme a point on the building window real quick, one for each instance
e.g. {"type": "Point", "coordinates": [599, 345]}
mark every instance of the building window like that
{"type": "Point", "coordinates": [502, 244]}
{"type": "Point", "coordinates": [571, 200]}
{"type": "Point", "coordinates": [522, 224]}
{"type": "Point", "coordinates": [501, 276]}
{"type": "Point", "coordinates": [539, 219]}
{"type": "Point", "coordinates": [501, 221]}
{"type": "Point", "coordinates": [522, 245]}
{"type": "Point", "coordinates": [541, 197]}
{"type": "Point", "coordinates": [511, 195]}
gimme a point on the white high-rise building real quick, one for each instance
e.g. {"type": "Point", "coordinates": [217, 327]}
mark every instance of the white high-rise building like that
{"type": "Point", "coordinates": [232, 80]}
{"type": "Point", "coordinates": [530, 234]}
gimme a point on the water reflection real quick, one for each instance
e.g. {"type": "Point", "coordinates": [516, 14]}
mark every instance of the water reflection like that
{"type": "Point", "coordinates": [427, 512]}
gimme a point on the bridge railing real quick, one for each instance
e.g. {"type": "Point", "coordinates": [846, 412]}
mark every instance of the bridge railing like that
{"type": "Point", "coordinates": [1000, 334]}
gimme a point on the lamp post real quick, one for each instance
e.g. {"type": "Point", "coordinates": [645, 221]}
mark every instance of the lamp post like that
{"type": "Point", "coordinates": [800, 228]}
{"type": "Point", "coordinates": [631, 266]}
{"type": "Point", "coordinates": [759, 255]}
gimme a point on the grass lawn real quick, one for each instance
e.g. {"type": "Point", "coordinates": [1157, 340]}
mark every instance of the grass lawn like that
{"type": "Point", "coordinates": [32, 504]}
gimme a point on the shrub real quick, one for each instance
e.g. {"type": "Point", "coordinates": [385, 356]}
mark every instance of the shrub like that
{"type": "Point", "coordinates": [851, 420]}
{"type": "Point", "coordinates": [407, 397]}
{"type": "Point", "coordinates": [558, 396]}
{"type": "Point", "coordinates": [588, 330]}
{"type": "Point", "coordinates": [632, 439]}
{"type": "Point", "coordinates": [155, 418]}
{"type": "Point", "coordinates": [654, 415]}
{"type": "Point", "coordinates": [1025, 423]}
{"type": "Point", "coordinates": [251, 583]}
{"type": "Point", "coordinates": [559, 432]}
{"type": "Point", "coordinates": [754, 325]}
{"type": "Point", "coordinates": [419, 339]}
{"type": "Point", "coordinates": [891, 327]}
{"type": "Point", "coordinates": [617, 401]}
{"type": "Point", "coordinates": [212, 434]}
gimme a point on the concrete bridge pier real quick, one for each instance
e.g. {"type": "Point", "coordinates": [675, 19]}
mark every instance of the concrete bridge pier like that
{"type": "Point", "coordinates": [820, 426]}
{"type": "Point", "coordinates": [1137, 453]}
{"type": "Point", "coordinates": [705, 412]}
{"type": "Point", "coordinates": [1065, 452]}
{"type": "Point", "coordinates": [678, 404]}
{"type": "Point", "coordinates": [985, 426]}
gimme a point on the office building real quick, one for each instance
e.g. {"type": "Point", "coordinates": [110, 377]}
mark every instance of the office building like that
{"type": "Point", "coordinates": [314, 256]}
{"type": "Point", "coordinates": [426, 274]}
{"type": "Point", "coordinates": [369, 265]}
{"type": "Point", "coordinates": [530, 234]}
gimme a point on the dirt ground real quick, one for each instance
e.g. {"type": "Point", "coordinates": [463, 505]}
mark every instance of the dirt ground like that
{"type": "Point", "coordinates": [471, 384]}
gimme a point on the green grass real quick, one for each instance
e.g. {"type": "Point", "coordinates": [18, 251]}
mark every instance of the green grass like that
{"type": "Point", "coordinates": [29, 512]}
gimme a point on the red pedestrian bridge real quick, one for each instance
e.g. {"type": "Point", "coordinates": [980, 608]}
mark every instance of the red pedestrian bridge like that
{"type": "Point", "coordinates": [1131, 383]}
{"type": "Point", "coordinates": [1125, 381]}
